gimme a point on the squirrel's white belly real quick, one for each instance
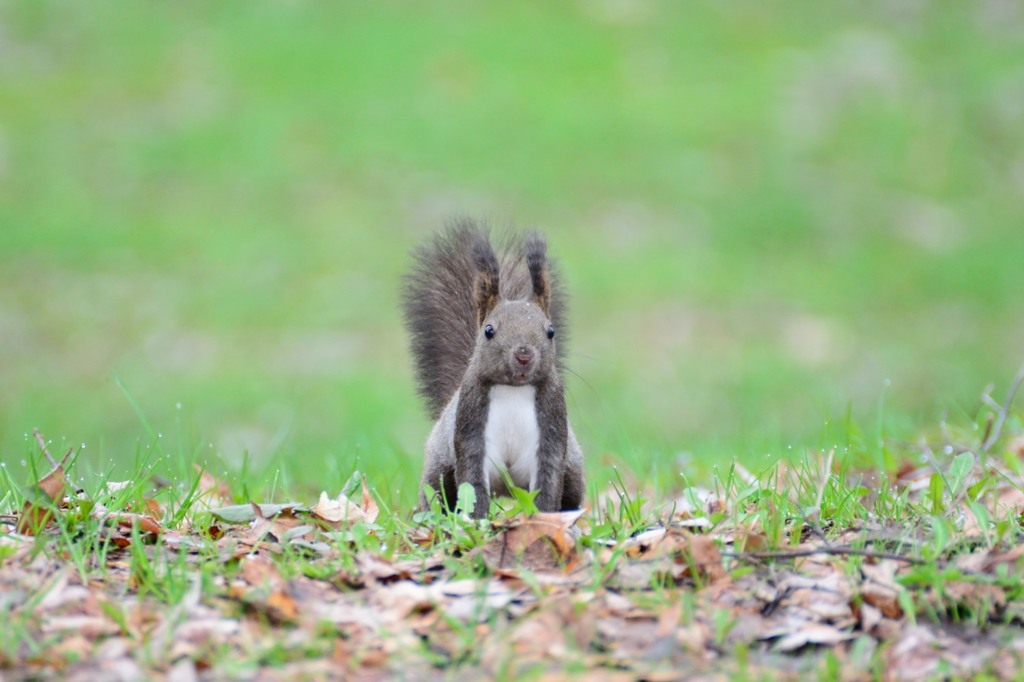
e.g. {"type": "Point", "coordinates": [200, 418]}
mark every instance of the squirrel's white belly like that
{"type": "Point", "coordinates": [511, 437]}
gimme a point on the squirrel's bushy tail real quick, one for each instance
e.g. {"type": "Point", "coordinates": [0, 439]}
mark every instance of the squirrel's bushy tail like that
{"type": "Point", "coordinates": [440, 309]}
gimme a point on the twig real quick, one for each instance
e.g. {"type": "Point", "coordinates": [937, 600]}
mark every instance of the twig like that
{"type": "Point", "coordinates": [986, 398]}
{"type": "Point", "coordinates": [1004, 409]}
{"type": "Point", "coordinates": [53, 462]}
{"type": "Point", "coordinates": [44, 449]}
{"type": "Point", "coordinates": [840, 551]}
{"type": "Point", "coordinates": [990, 402]}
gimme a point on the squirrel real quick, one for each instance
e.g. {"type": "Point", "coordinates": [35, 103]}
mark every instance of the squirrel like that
{"type": "Point", "coordinates": [487, 334]}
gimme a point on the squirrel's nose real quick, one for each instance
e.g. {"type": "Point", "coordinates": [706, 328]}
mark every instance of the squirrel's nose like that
{"type": "Point", "coordinates": [524, 355]}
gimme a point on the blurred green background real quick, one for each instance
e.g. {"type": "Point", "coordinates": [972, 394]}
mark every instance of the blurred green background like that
{"type": "Point", "coordinates": [768, 214]}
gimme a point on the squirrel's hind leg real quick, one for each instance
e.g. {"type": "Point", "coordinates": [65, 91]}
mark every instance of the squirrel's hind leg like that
{"type": "Point", "coordinates": [574, 488]}
{"type": "Point", "coordinates": [439, 460]}
{"type": "Point", "coordinates": [442, 480]}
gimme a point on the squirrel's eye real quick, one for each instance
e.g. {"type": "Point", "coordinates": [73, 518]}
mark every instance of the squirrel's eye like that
{"type": "Point", "coordinates": [551, 331]}
{"type": "Point", "coordinates": [489, 332]}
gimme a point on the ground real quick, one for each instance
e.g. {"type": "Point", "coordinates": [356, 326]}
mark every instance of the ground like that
{"type": "Point", "coordinates": [791, 236]}
{"type": "Point", "coordinates": [810, 569]}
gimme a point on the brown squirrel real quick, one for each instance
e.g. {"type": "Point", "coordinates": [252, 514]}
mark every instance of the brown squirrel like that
{"type": "Point", "coordinates": [483, 333]}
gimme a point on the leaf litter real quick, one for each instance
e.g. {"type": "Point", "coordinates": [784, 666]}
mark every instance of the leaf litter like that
{"type": "Point", "coordinates": [283, 591]}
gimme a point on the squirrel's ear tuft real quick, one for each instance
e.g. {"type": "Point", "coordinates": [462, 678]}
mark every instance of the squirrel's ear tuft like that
{"type": "Point", "coordinates": [536, 262]}
{"type": "Point", "coordinates": [485, 293]}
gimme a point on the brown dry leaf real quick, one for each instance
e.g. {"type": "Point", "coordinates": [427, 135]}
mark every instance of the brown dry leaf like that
{"type": "Point", "coordinates": [669, 618]}
{"type": "Point", "coordinates": [114, 487]}
{"type": "Point", "coordinates": [259, 527]}
{"type": "Point", "coordinates": [402, 598]}
{"type": "Point", "coordinates": [1016, 446]}
{"type": "Point", "coordinates": [267, 591]}
{"type": "Point", "coordinates": [880, 589]}
{"type": "Point", "coordinates": [257, 570]}
{"type": "Point", "coordinates": [422, 536]}
{"type": "Point", "coordinates": [70, 646]}
{"type": "Point", "coordinates": [870, 617]}
{"type": "Point", "coordinates": [641, 543]}
{"type": "Point", "coordinates": [914, 479]}
{"type": "Point", "coordinates": [539, 637]}
{"type": "Point", "coordinates": [821, 598]}
{"type": "Point", "coordinates": [973, 526]}
{"type": "Point", "coordinates": [804, 633]}
{"type": "Point", "coordinates": [343, 512]}
{"type": "Point", "coordinates": [1009, 500]}
{"type": "Point", "coordinates": [696, 556]}
{"type": "Point", "coordinates": [977, 597]}
{"type": "Point", "coordinates": [921, 654]}
{"type": "Point", "coordinates": [692, 509]}
{"type": "Point", "coordinates": [35, 515]}
{"type": "Point", "coordinates": [470, 600]}
{"type": "Point", "coordinates": [150, 507]}
{"type": "Point", "coordinates": [371, 569]}
{"type": "Point", "coordinates": [1009, 557]}
{"type": "Point", "coordinates": [147, 524]}
{"type": "Point", "coordinates": [544, 541]}
{"type": "Point", "coordinates": [213, 493]}
{"type": "Point", "coordinates": [675, 555]}
{"type": "Point", "coordinates": [750, 540]}
{"type": "Point", "coordinates": [632, 639]}
{"type": "Point", "coordinates": [91, 627]}
{"type": "Point", "coordinates": [973, 562]}
{"type": "Point", "coordinates": [181, 541]}
{"type": "Point", "coordinates": [120, 540]}
{"type": "Point", "coordinates": [282, 526]}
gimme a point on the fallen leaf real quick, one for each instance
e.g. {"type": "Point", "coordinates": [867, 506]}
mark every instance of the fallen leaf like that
{"type": "Point", "coordinates": [995, 559]}
{"type": "Point", "coordinates": [87, 626]}
{"type": "Point", "coordinates": [544, 541]}
{"type": "Point", "coordinates": [342, 512]}
{"type": "Point", "coordinates": [147, 524]}
{"type": "Point", "coordinates": [750, 540]}
{"type": "Point", "coordinates": [641, 543]}
{"type": "Point", "coordinates": [267, 591]}
{"type": "Point", "coordinates": [42, 499]}
{"type": "Point", "coordinates": [880, 589]}
{"type": "Point", "coordinates": [921, 653]}
{"type": "Point", "coordinates": [1016, 446]}
{"type": "Point", "coordinates": [150, 507]}
{"type": "Point", "coordinates": [811, 633]}
{"type": "Point", "coordinates": [401, 598]}
{"type": "Point", "coordinates": [114, 487]}
{"type": "Point", "coordinates": [246, 513]}
{"type": "Point", "coordinates": [870, 617]}
{"type": "Point", "coordinates": [696, 556]}
{"type": "Point", "coordinates": [212, 491]}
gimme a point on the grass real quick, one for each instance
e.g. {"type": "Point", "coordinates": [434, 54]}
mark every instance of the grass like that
{"type": "Point", "coordinates": [768, 218]}
{"type": "Point", "coordinates": [785, 228]}
{"type": "Point", "coordinates": [818, 505]}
